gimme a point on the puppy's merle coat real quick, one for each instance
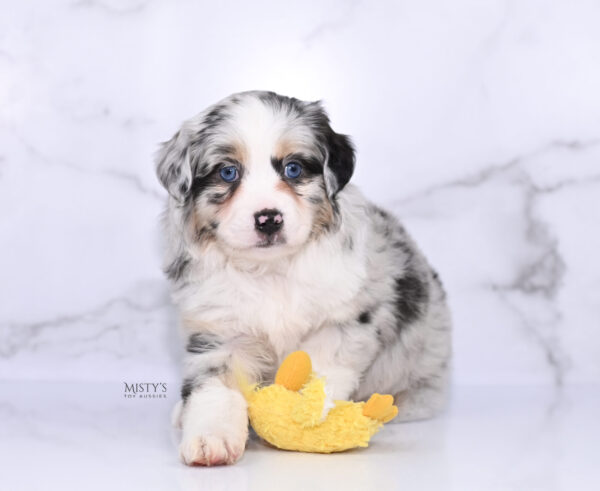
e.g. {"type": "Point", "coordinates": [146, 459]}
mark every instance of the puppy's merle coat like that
{"type": "Point", "coordinates": [270, 250]}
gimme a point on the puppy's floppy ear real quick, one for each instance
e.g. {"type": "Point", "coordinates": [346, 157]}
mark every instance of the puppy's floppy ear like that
{"type": "Point", "coordinates": [339, 163]}
{"type": "Point", "coordinates": [174, 168]}
{"type": "Point", "coordinates": [338, 150]}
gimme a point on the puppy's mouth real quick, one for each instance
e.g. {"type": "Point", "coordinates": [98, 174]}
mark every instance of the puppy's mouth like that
{"type": "Point", "coordinates": [266, 241]}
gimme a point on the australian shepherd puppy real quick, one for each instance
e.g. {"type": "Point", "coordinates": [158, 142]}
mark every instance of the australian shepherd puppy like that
{"type": "Point", "coordinates": [270, 250]}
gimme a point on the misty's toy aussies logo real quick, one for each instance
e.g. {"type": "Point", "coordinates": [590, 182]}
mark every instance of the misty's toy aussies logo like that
{"type": "Point", "coordinates": [145, 390]}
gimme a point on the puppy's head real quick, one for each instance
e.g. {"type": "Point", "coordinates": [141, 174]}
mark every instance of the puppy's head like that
{"type": "Point", "coordinates": [257, 173]}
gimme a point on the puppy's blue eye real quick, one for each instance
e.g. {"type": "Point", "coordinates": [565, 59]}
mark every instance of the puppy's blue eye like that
{"type": "Point", "coordinates": [293, 170]}
{"type": "Point", "coordinates": [229, 173]}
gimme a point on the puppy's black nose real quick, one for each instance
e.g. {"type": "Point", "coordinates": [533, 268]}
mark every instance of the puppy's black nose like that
{"type": "Point", "coordinates": [268, 221]}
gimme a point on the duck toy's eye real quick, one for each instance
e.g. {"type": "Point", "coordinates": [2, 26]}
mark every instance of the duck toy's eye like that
{"type": "Point", "coordinates": [293, 170]}
{"type": "Point", "coordinates": [229, 173]}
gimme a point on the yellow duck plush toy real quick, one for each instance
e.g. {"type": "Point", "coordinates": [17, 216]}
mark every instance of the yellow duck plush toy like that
{"type": "Point", "coordinates": [288, 413]}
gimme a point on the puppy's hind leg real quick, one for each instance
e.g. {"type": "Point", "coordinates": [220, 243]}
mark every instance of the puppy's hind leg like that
{"type": "Point", "coordinates": [423, 401]}
{"type": "Point", "coordinates": [176, 415]}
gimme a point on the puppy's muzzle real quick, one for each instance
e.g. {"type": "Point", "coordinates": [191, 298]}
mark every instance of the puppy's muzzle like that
{"type": "Point", "coordinates": [268, 221]}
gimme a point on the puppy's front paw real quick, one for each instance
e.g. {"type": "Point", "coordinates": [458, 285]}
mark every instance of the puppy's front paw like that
{"type": "Point", "coordinates": [214, 425]}
{"type": "Point", "coordinates": [212, 450]}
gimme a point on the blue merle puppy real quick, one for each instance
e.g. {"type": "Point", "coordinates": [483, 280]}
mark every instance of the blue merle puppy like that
{"type": "Point", "coordinates": [270, 250]}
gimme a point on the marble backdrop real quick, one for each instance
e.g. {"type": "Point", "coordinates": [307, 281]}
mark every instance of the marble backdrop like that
{"type": "Point", "coordinates": [478, 123]}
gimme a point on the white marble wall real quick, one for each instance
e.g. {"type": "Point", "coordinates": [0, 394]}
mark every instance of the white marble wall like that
{"type": "Point", "coordinates": [477, 122]}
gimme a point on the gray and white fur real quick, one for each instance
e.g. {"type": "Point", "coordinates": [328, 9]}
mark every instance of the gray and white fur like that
{"type": "Point", "coordinates": [270, 250]}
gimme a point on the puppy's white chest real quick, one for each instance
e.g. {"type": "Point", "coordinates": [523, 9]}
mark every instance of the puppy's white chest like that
{"type": "Point", "coordinates": [279, 306]}
{"type": "Point", "coordinates": [283, 307]}
{"type": "Point", "coordinates": [286, 307]}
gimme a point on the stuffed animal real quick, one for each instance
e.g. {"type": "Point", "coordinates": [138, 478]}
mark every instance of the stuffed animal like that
{"type": "Point", "coordinates": [288, 413]}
